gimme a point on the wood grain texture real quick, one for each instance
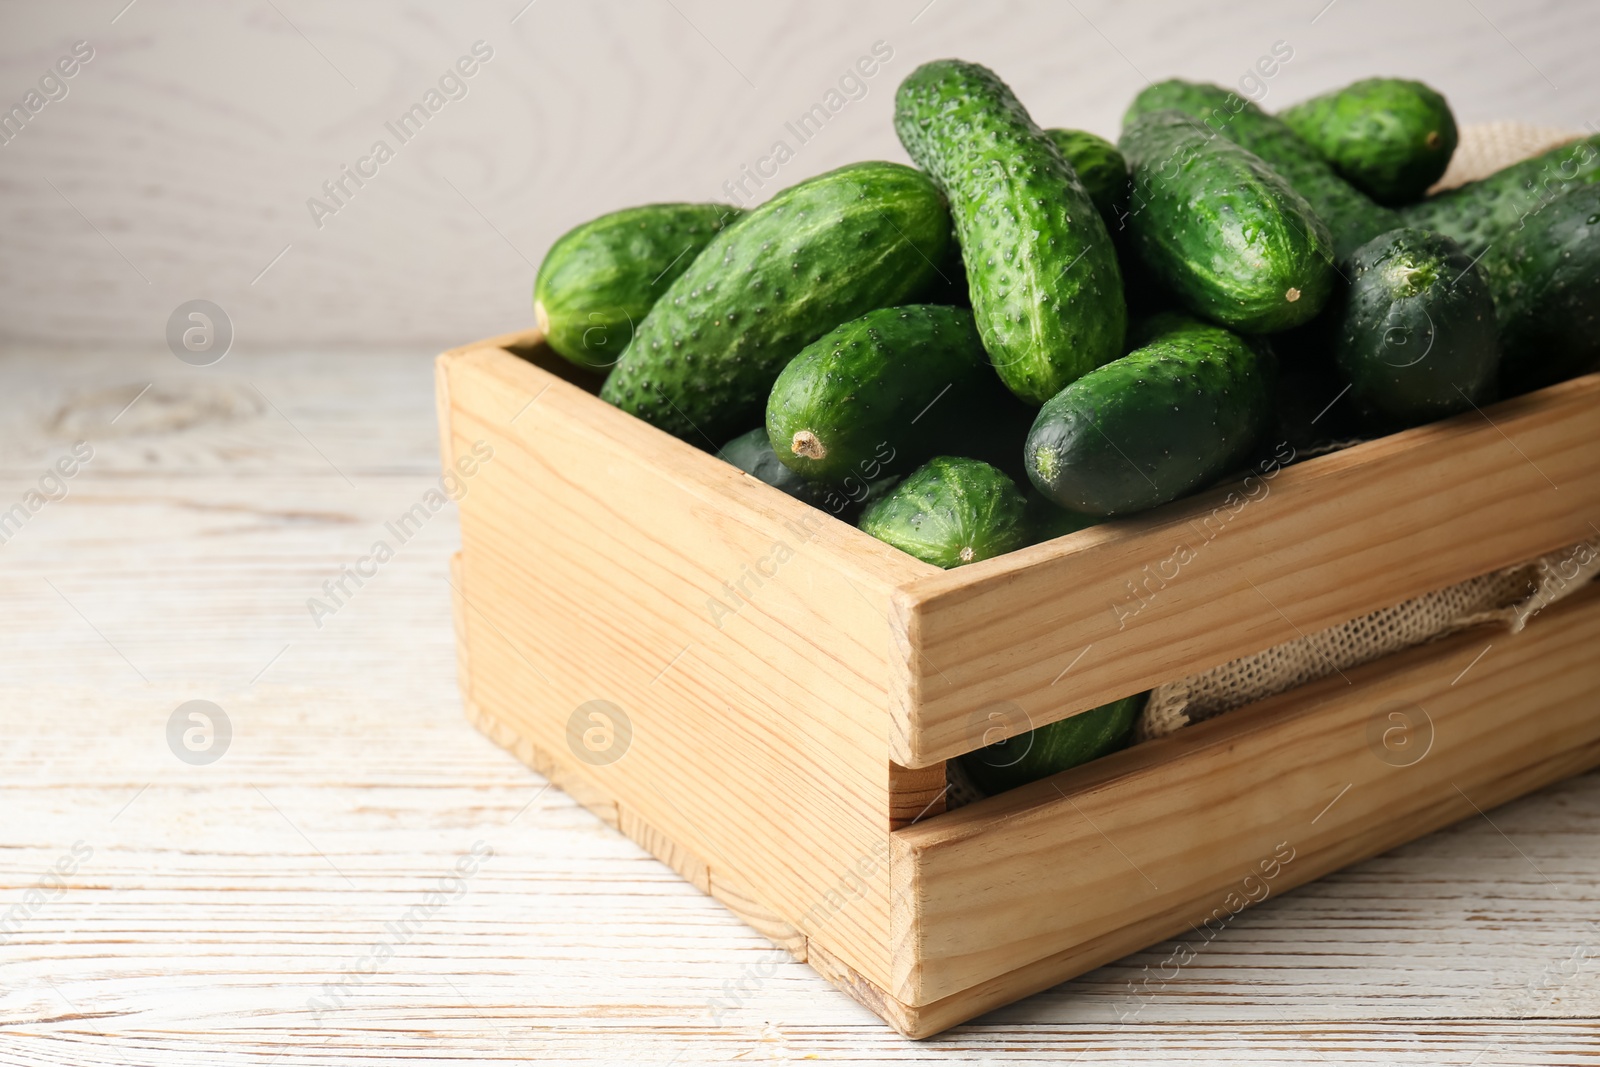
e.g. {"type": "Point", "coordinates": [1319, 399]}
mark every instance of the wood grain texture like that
{"type": "Point", "coordinates": [929, 922]}
{"type": "Point", "coordinates": [1113, 610]}
{"type": "Point", "coordinates": [1181, 834]}
{"type": "Point", "coordinates": [195, 137]}
{"type": "Point", "coordinates": [623, 566]}
{"type": "Point", "coordinates": [204, 920]}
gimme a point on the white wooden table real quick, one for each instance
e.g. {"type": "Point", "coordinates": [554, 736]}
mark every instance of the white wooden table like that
{"type": "Point", "coordinates": [210, 908]}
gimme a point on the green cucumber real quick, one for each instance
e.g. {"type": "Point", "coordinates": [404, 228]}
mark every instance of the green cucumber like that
{"type": "Point", "coordinates": [599, 280]}
{"type": "Point", "coordinates": [1165, 419]}
{"type": "Point", "coordinates": [896, 385]}
{"type": "Point", "coordinates": [1352, 216]}
{"type": "Point", "coordinates": [1041, 269]}
{"type": "Point", "coordinates": [1417, 337]}
{"type": "Point", "coordinates": [1101, 169]}
{"type": "Point", "coordinates": [1389, 137]}
{"type": "Point", "coordinates": [1223, 232]}
{"type": "Point", "coordinates": [951, 511]}
{"type": "Point", "coordinates": [1054, 747]}
{"type": "Point", "coordinates": [752, 453]}
{"type": "Point", "coordinates": [815, 255]}
{"type": "Point", "coordinates": [1546, 283]}
{"type": "Point", "coordinates": [1479, 213]}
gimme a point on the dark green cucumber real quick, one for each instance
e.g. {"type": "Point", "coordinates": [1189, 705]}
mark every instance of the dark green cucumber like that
{"type": "Point", "coordinates": [1546, 283]}
{"type": "Point", "coordinates": [1416, 335]}
{"type": "Point", "coordinates": [1479, 213]}
{"type": "Point", "coordinates": [751, 453]}
{"type": "Point", "coordinates": [896, 385]}
{"type": "Point", "coordinates": [1221, 230]}
{"type": "Point", "coordinates": [1041, 269]}
{"type": "Point", "coordinates": [1389, 137]}
{"type": "Point", "coordinates": [599, 280]}
{"type": "Point", "coordinates": [1054, 747]}
{"type": "Point", "coordinates": [817, 254]}
{"type": "Point", "coordinates": [950, 512]}
{"type": "Point", "coordinates": [1352, 216]}
{"type": "Point", "coordinates": [1101, 169]}
{"type": "Point", "coordinates": [1165, 419]}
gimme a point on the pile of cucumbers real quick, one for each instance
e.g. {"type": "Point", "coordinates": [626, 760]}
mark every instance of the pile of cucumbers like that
{"type": "Point", "coordinates": [1033, 330]}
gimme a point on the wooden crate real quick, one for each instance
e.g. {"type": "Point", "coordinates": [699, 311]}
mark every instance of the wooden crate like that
{"type": "Point", "coordinates": [783, 691]}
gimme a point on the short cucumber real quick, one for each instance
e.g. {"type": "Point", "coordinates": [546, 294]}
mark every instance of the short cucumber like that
{"type": "Point", "coordinates": [1352, 216]}
{"type": "Point", "coordinates": [1221, 230]}
{"type": "Point", "coordinates": [1041, 269]}
{"type": "Point", "coordinates": [599, 279]}
{"type": "Point", "coordinates": [752, 453]}
{"type": "Point", "coordinates": [817, 254]}
{"type": "Point", "coordinates": [896, 385]}
{"type": "Point", "coordinates": [1479, 213]}
{"type": "Point", "coordinates": [950, 512]}
{"type": "Point", "coordinates": [1101, 169]}
{"type": "Point", "coordinates": [1546, 283]}
{"type": "Point", "coordinates": [1417, 337]}
{"type": "Point", "coordinates": [1389, 137]}
{"type": "Point", "coordinates": [1165, 419]}
{"type": "Point", "coordinates": [1054, 747]}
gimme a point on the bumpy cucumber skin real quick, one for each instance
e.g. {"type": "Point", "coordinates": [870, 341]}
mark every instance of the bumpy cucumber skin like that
{"type": "Point", "coordinates": [1546, 283]}
{"type": "Point", "coordinates": [907, 379]}
{"type": "Point", "coordinates": [817, 254]}
{"type": "Point", "coordinates": [951, 511]}
{"type": "Point", "coordinates": [600, 279]}
{"type": "Point", "coordinates": [1054, 747]}
{"type": "Point", "coordinates": [1221, 230]}
{"type": "Point", "coordinates": [1041, 269]}
{"type": "Point", "coordinates": [1417, 338]}
{"type": "Point", "coordinates": [1480, 213]}
{"type": "Point", "coordinates": [1100, 168]}
{"type": "Point", "coordinates": [1389, 137]}
{"type": "Point", "coordinates": [1148, 428]}
{"type": "Point", "coordinates": [1352, 216]}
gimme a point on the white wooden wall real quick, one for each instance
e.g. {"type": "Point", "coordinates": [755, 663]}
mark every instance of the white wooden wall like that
{"type": "Point", "coordinates": [180, 162]}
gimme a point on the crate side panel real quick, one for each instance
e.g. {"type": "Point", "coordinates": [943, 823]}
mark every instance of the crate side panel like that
{"type": "Point", "coordinates": [1062, 627]}
{"type": "Point", "coordinates": [1184, 830]}
{"type": "Point", "coordinates": [748, 663]}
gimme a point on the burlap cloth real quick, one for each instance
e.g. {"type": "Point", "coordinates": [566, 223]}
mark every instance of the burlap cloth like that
{"type": "Point", "coordinates": [1507, 598]}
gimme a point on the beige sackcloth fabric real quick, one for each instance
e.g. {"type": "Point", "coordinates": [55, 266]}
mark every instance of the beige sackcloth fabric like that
{"type": "Point", "coordinates": [1508, 598]}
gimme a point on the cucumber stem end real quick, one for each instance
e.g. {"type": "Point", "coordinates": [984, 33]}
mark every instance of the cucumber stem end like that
{"type": "Point", "coordinates": [805, 443]}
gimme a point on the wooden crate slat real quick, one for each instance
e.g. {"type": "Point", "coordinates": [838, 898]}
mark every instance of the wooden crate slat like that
{"type": "Point", "coordinates": [1059, 628]}
{"type": "Point", "coordinates": [586, 575]}
{"type": "Point", "coordinates": [1092, 864]}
